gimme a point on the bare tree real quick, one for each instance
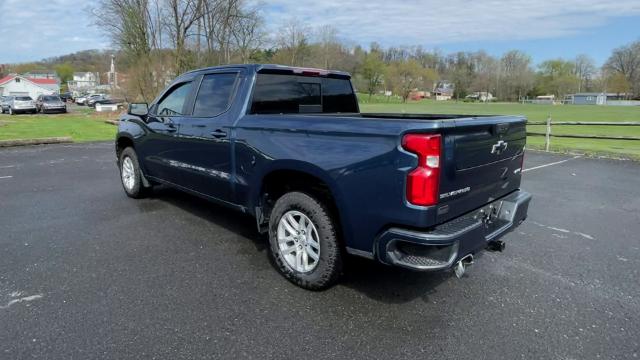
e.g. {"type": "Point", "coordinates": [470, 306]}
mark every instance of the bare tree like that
{"type": "Point", "coordinates": [293, 41]}
{"type": "Point", "coordinates": [329, 46]}
{"type": "Point", "coordinates": [220, 18]}
{"type": "Point", "coordinates": [516, 75]}
{"type": "Point", "coordinates": [132, 27]}
{"type": "Point", "coordinates": [485, 71]}
{"type": "Point", "coordinates": [248, 33]}
{"type": "Point", "coordinates": [626, 60]}
{"type": "Point", "coordinates": [180, 18]}
{"type": "Point", "coordinates": [584, 69]}
{"type": "Point", "coordinates": [128, 23]}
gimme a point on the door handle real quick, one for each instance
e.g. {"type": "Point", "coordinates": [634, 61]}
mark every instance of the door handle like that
{"type": "Point", "coordinates": [218, 133]}
{"type": "Point", "coordinates": [171, 128]}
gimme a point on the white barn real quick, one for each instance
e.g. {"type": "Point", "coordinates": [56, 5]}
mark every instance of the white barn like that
{"type": "Point", "coordinates": [18, 85]}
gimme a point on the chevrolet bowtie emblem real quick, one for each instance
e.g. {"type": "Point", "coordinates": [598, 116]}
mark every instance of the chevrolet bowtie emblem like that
{"type": "Point", "coordinates": [499, 147]}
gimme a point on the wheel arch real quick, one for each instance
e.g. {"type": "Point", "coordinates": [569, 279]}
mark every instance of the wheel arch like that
{"type": "Point", "coordinates": [123, 141]}
{"type": "Point", "coordinates": [292, 175]}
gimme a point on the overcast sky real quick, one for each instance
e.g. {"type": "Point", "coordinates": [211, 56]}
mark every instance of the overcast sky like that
{"type": "Point", "coordinates": [36, 29]}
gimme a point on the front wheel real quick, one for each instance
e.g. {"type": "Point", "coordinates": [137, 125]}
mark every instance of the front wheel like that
{"type": "Point", "coordinates": [131, 176]}
{"type": "Point", "coordinates": [304, 241]}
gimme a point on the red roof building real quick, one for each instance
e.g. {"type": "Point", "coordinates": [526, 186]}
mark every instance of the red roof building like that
{"type": "Point", "coordinates": [18, 85]}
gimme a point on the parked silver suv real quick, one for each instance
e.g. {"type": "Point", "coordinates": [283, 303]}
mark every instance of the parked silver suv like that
{"type": "Point", "coordinates": [22, 104]}
{"type": "Point", "coordinates": [50, 103]}
{"type": "Point", "coordinates": [5, 102]}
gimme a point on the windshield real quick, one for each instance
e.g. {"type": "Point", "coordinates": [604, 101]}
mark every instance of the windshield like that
{"type": "Point", "coordinates": [51, 98]}
{"type": "Point", "coordinates": [23, 98]}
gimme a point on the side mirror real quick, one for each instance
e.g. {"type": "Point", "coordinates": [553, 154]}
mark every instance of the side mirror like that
{"type": "Point", "coordinates": [138, 109]}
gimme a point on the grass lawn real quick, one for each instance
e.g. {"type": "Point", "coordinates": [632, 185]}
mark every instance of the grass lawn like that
{"type": "Point", "coordinates": [80, 126]}
{"type": "Point", "coordinates": [625, 148]}
{"type": "Point", "coordinates": [83, 124]}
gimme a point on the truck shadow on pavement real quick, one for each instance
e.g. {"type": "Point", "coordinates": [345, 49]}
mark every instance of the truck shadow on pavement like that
{"type": "Point", "coordinates": [388, 284]}
{"type": "Point", "coordinates": [374, 280]}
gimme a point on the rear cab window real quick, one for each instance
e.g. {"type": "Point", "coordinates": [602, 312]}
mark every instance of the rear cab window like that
{"type": "Point", "coordinates": [278, 93]}
{"type": "Point", "coordinates": [215, 94]}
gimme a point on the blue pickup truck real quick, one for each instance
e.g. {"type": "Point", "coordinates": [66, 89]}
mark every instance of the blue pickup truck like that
{"type": "Point", "coordinates": [290, 147]}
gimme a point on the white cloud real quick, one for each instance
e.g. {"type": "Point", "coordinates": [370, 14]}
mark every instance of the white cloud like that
{"type": "Point", "coordinates": [36, 29]}
{"type": "Point", "coordinates": [434, 22]}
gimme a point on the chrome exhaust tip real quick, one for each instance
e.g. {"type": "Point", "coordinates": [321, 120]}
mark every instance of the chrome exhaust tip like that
{"type": "Point", "coordinates": [461, 266]}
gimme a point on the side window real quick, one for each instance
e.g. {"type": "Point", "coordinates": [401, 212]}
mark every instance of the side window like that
{"type": "Point", "coordinates": [292, 94]}
{"type": "Point", "coordinates": [173, 102]}
{"type": "Point", "coordinates": [215, 94]}
{"type": "Point", "coordinates": [275, 94]}
{"type": "Point", "coordinates": [338, 96]}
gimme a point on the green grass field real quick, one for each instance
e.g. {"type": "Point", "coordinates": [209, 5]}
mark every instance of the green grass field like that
{"type": "Point", "coordinates": [80, 126]}
{"type": "Point", "coordinates": [623, 148]}
{"type": "Point", "coordinates": [84, 125]}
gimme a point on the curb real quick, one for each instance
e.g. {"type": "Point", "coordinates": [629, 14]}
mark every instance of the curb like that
{"type": "Point", "coordinates": [40, 141]}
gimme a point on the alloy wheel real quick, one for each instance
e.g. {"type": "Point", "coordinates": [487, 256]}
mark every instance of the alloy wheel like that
{"type": "Point", "coordinates": [298, 241]}
{"type": "Point", "coordinates": [128, 174]}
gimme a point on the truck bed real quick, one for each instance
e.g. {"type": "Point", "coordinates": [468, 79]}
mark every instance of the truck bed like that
{"type": "Point", "coordinates": [405, 116]}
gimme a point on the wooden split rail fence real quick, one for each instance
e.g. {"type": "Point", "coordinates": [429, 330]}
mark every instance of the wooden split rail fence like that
{"type": "Point", "coordinates": [548, 135]}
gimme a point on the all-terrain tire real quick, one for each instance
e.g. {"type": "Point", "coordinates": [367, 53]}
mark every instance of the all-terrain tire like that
{"type": "Point", "coordinates": [329, 266]}
{"type": "Point", "coordinates": [130, 171]}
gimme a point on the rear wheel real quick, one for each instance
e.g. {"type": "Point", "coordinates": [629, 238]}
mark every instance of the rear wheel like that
{"type": "Point", "coordinates": [131, 176]}
{"type": "Point", "coordinates": [304, 242]}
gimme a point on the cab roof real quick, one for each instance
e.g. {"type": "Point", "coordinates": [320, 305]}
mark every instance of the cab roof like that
{"type": "Point", "coordinates": [274, 68]}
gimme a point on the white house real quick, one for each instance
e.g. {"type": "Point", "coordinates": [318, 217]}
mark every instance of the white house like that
{"type": "Point", "coordinates": [83, 82]}
{"type": "Point", "coordinates": [18, 85]}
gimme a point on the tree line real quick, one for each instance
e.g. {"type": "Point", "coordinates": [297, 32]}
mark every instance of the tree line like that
{"type": "Point", "coordinates": [157, 40]}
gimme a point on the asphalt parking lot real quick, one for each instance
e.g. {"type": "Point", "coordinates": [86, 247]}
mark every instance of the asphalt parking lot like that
{"type": "Point", "coordinates": [86, 272]}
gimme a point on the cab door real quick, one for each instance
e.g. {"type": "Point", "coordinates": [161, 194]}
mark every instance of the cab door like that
{"type": "Point", "coordinates": [161, 146]}
{"type": "Point", "coordinates": [205, 135]}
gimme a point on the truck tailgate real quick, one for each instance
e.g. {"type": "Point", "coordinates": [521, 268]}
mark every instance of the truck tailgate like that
{"type": "Point", "coordinates": [482, 162]}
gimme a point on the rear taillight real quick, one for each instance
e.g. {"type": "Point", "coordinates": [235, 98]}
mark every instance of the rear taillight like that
{"type": "Point", "coordinates": [423, 181]}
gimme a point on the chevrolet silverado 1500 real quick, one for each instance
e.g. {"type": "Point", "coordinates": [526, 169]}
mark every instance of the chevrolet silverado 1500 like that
{"type": "Point", "coordinates": [290, 147]}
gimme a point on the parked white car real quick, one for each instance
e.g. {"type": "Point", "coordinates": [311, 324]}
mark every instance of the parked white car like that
{"type": "Point", "coordinates": [22, 104]}
{"type": "Point", "coordinates": [80, 100]}
{"type": "Point", "coordinates": [85, 100]}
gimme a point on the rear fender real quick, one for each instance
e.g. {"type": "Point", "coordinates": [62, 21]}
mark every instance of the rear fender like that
{"type": "Point", "coordinates": [299, 166]}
